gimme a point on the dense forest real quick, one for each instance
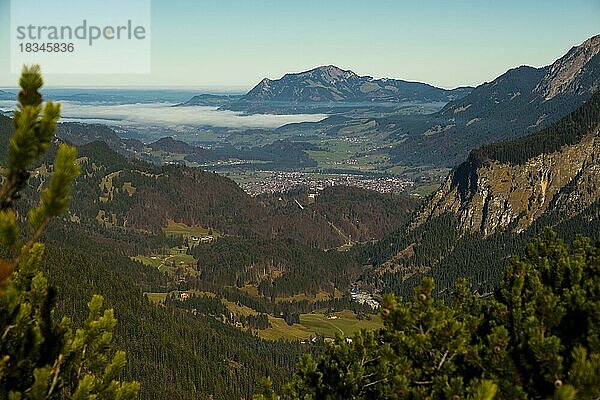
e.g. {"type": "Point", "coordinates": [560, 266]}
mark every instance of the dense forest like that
{"type": "Point", "coordinates": [278, 268]}
{"type": "Point", "coordinates": [130, 193]}
{"type": "Point", "coordinates": [191, 356]}
{"type": "Point", "coordinates": [534, 337]}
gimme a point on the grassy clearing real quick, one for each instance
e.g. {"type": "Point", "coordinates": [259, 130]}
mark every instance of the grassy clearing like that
{"type": "Point", "coordinates": [303, 297]}
{"type": "Point", "coordinates": [343, 322]}
{"type": "Point", "coordinates": [178, 228]}
{"type": "Point", "coordinates": [311, 325]}
{"type": "Point", "coordinates": [160, 297]}
{"type": "Point", "coordinates": [151, 261]}
{"type": "Point", "coordinates": [157, 297]}
{"type": "Point", "coordinates": [179, 256]}
{"type": "Point", "coordinates": [281, 330]}
{"type": "Point", "coordinates": [176, 262]}
{"type": "Point", "coordinates": [251, 290]}
{"type": "Point", "coordinates": [239, 309]}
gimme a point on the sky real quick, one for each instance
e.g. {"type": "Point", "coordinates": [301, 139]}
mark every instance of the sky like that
{"type": "Point", "coordinates": [230, 45]}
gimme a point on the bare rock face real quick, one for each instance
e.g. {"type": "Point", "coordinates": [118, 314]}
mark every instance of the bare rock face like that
{"type": "Point", "coordinates": [494, 195]}
{"type": "Point", "coordinates": [567, 73]}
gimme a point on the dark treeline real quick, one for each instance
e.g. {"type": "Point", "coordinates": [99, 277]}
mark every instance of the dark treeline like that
{"type": "Point", "coordinates": [569, 130]}
{"type": "Point", "coordinates": [278, 268]}
{"type": "Point", "coordinates": [362, 215]}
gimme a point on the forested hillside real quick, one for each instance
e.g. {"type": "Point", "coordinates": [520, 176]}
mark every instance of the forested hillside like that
{"type": "Point", "coordinates": [359, 215]}
{"type": "Point", "coordinates": [568, 131]}
{"type": "Point", "coordinates": [126, 192]}
{"type": "Point", "coordinates": [509, 185]}
{"type": "Point", "coordinates": [493, 203]}
{"type": "Point", "coordinates": [282, 235]}
{"type": "Point", "coordinates": [120, 192]}
{"type": "Point", "coordinates": [191, 357]}
{"type": "Point", "coordinates": [278, 268]}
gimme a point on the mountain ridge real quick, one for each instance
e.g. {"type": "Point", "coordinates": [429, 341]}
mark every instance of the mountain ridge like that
{"type": "Point", "coordinates": [515, 104]}
{"type": "Point", "coordinates": [332, 84]}
{"type": "Point", "coordinates": [509, 185]}
{"type": "Point", "coordinates": [563, 73]}
{"type": "Point", "coordinates": [6, 95]}
{"type": "Point", "coordinates": [501, 197]}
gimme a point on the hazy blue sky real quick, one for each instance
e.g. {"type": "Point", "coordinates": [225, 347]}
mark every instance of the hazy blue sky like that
{"type": "Point", "coordinates": [235, 43]}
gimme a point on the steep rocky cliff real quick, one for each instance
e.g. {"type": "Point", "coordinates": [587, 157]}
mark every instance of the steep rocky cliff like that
{"type": "Point", "coordinates": [575, 73]}
{"type": "Point", "coordinates": [491, 195]}
{"type": "Point", "coordinates": [509, 185]}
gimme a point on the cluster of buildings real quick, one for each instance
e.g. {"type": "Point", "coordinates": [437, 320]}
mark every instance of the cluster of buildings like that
{"type": "Point", "coordinates": [283, 181]}
{"type": "Point", "coordinates": [363, 297]}
{"type": "Point", "coordinates": [195, 240]}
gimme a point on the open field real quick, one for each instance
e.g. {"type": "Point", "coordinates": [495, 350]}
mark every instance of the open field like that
{"type": "Point", "coordinates": [160, 297]}
{"type": "Point", "coordinates": [151, 261]}
{"type": "Point", "coordinates": [169, 263]}
{"type": "Point", "coordinates": [281, 330]}
{"type": "Point", "coordinates": [156, 297]}
{"type": "Point", "coordinates": [343, 322]}
{"type": "Point", "coordinates": [179, 256]}
{"type": "Point", "coordinates": [317, 297]}
{"type": "Point", "coordinates": [177, 228]}
{"type": "Point", "coordinates": [311, 325]}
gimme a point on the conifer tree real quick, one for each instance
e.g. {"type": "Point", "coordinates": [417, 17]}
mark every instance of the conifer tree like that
{"type": "Point", "coordinates": [41, 358]}
{"type": "Point", "coordinates": [538, 337]}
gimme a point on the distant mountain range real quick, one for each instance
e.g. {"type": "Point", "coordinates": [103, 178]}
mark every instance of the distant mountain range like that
{"type": "Point", "coordinates": [211, 100]}
{"type": "Point", "coordinates": [328, 88]}
{"type": "Point", "coordinates": [7, 96]}
{"type": "Point", "coordinates": [333, 84]}
{"type": "Point", "coordinates": [520, 101]}
{"type": "Point", "coordinates": [516, 103]}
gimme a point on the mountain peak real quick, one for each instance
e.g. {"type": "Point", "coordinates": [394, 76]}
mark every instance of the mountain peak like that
{"type": "Point", "coordinates": [330, 83]}
{"type": "Point", "coordinates": [591, 43]}
{"type": "Point", "coordinates": [567, 72]}
{"type": "Point", "coordinates": [332, 72]}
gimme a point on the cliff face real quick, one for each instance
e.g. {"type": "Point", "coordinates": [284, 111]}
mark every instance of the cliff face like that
{"type": "Point", "coordinates": [490, 195]}
{"type": "Point", "coordinates": [574, 73]}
